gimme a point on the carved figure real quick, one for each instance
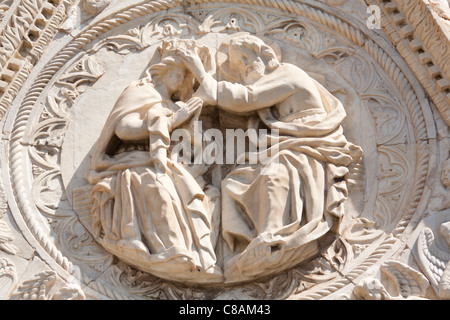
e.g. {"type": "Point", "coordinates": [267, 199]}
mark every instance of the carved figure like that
{"type": "Point", "coordinates": [149, 210]}
{"type": "Point", "coordinates": [405, 283]}
{"type": "Point", "coordinates": [273, 219]}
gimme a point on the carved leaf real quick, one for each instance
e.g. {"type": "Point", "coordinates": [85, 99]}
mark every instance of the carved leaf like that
{"type": "Point", "coordinates": [277, 288]}
{"type": "Point", "coordinates": [355, 68]}
{"type": "Point", "coordinates": [87, 70]}
{"type": "Point", "coordinates": [362, 231]}
{"type": "Point", "coordinates": [235, 20]}
{"type": "Point", "coordinates": [4, 7]}
{"type": "Point", "coordinates": [389, 121]}
{"type": "Point", "coordinates": [298, 34]}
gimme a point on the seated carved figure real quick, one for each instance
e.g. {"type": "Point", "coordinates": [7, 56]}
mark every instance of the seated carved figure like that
{"type": "Point", "coordinates": [148, 209]}
{"type": "Point", "coordinates": [273, 220]}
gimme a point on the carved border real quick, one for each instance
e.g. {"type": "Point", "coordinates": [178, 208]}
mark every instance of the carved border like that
{"type": "Point", "coordinates": [414, 29]}
{"type": "Point", "coordinates": [25, 35]}
{"type": "Point", "coordinates": [16, 146]}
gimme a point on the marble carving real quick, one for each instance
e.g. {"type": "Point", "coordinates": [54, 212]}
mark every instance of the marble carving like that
{"type": "Point", "coordinates": [224, 150]}
{"type": "Point", "coordinates": [149, 209]}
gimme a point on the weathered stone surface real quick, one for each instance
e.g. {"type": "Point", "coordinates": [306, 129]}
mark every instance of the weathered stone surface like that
{"type": "Point", "coordinates": [224, 150]}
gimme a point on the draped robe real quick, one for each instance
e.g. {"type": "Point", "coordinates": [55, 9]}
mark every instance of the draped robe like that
{"type": "Point", "coordinates": [154, 221]}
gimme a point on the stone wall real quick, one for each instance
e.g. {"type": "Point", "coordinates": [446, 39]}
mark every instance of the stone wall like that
{"type": "Point", "coordinates": [361, 210]}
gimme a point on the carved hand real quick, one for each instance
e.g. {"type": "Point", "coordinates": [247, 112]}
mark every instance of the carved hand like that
{"type": "Point", "coordinates": [186, 112]}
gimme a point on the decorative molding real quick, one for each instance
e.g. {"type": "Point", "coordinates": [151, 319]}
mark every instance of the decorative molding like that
{"type": "Point", "coordinates": [403, 173]}
{"type": "Point", "coordinates": [37, 288]}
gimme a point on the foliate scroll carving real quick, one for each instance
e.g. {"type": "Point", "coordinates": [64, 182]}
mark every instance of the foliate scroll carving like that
{"type": "Point", "coordinates": [80, 10]}
{"type": "Point", "coordinates": [95, 6]}
{"type": "Point", "coordinates": [81, 246]}
{"type": "Point", "coordinates": [422, 42]}
{"type": "Point", "coordinates": [37, 288]}
{"type": "Point", "coordinates": [389, 121]}
{"type": "Point", "coordinates": [304, 36]}
{"type": "Point", "coordinates": [142, 37]}
{"type": "Point", "coordinates": [45, 146]}
{"type": "Point", "coordinates": [48, 134]}
{"type": "Point", "coordinates": [441, 7]}
{"type": "Point", "coordinates": [303, 277]}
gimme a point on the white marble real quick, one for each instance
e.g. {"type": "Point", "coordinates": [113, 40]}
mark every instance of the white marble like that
{"type": "Point", "coordinates": [214, 150]}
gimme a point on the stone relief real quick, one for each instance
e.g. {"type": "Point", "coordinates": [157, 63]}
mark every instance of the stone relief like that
{"type": "Point", "coordinates": [341, 174]}
{"type": "Point", "coordinates": [263, 222]}
{"type": "Point", "coordinates": [82, 9]}
{"type": "Point", "coordinates": [148, 208]}
{"type": "Point", "coordinates": [95, 6]}
{"type": "Point", "coordinates": [404, 282]}
{"type": "Point", "coordinates": [426, 48]}
{"type": "Point", "coordinates": [285, 223]}
{"type": "Point", "coordinates": [8, 278]}
{"type": "Point", "coordinates": [434, 257]}
{"type": "Point", "coordinates": [42, 287]}
{"type": "Point", "coordinates": [441, 7]}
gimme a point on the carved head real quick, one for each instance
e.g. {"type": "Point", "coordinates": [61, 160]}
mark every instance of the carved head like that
{"type": "Point", "coordinates": [171, 70]}
{"type": "Point", "coordinates": [249, 58]}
